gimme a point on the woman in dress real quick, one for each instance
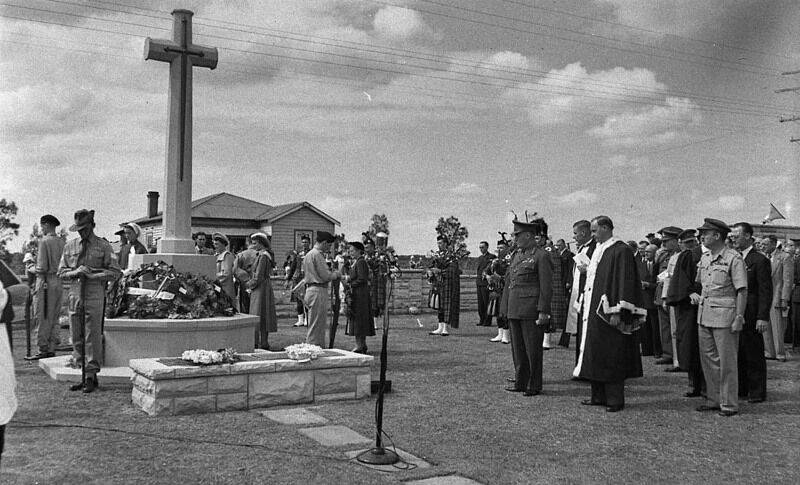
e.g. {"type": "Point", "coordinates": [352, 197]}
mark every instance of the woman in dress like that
{"type": "Point", "coordinates": [262, 299]}
{"type": "Point", "coordinates": [359, 313]}
{"type": "Point", "coordinates": [225, 261]}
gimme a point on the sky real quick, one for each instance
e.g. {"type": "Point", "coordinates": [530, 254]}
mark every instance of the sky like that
{"type": "Point", "coordinates": [653, 113]}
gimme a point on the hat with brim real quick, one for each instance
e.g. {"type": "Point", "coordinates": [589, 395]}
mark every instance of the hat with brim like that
{"type": "Point", "coordinates": [324, 237]}
{"type": "Point", "coordinates": [83, 218]}
{"type": "Point", "coordinates": [537, 227]}
{"type": "Point", "coordinates": [121, 232]}
{"type": "Point", "coordinates": [670, 232]}
{"type": "Point", "coordinates": [356, 245]}
{"type": "Point", "coordinates": [134, 227]}
{"type": "Point", "coordinates": [260, 236]}
{"type": "Point", "coordinates": [687, 235]}
{"type": "Point", "coordinates": [49, 219]}
{"type": "Point", "coordinates": [218, 236]}
{"type": "Point", "coordinates": [714, 225]}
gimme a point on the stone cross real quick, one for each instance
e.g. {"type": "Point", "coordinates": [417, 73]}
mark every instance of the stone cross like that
{"type": "Point", "coordinates": [182, 55]}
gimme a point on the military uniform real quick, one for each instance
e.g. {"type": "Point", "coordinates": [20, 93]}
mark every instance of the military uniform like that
{"type": "Point", "coordinates": [97, 254]}
{"type": "Point", "coordinates": [48, 293]}
{"type": "Point", "coordinates": [528, 292]}
{"type": "Point", "coordinates": [721, 276]}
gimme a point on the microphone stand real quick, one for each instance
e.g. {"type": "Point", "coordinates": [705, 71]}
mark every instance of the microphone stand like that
{"type": "Point", "coordinates": [380, 455]}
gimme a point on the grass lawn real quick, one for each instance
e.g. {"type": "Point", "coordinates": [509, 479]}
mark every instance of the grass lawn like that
{"type": "Point", "coordinates": [448, 407]}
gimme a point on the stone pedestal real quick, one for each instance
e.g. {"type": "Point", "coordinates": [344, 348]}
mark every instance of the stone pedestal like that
{"type": "Point", "coordinates": [264, 379]}
{"type": "Point", "coordinates": [128, 338]}
{"type": "Point", "coordinates": [202, 264]}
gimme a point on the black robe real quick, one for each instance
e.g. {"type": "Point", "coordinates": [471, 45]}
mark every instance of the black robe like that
{"type": "Point", "coordinates": [607, 354]}
{"type": "Point", "coordinates": [681, 285]}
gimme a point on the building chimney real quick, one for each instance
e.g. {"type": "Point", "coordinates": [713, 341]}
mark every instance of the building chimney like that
{"type": "Point", "coordinates": [152, 203]}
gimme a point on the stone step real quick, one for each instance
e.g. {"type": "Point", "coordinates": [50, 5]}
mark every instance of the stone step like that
{"type": "Point", "coordinates": [57, 369]}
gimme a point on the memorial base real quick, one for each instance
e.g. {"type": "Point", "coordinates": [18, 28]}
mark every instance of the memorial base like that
{"type": "Point", "coordinates": [128, 338]}
{"type": "Point", "coordinates": [168, 386]}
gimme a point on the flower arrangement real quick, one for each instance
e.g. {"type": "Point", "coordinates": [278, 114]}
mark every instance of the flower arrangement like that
{"type": "Point", "coordinates": [303, 352]}
{"type": "Point", "coordinates": [210, 357]}
{"type": "Point", "coordinates": [178, 295]}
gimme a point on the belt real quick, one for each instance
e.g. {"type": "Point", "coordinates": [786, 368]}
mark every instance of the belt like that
{"type": "Point", "coordinates": [316, 284]}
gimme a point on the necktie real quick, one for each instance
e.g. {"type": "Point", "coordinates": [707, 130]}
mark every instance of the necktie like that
{"type": "Point", "coordinates": [84, 249]}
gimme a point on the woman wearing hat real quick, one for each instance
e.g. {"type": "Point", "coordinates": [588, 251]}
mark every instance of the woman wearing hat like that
{"type": "Point", "coordinates": [132, 233]}
{"type": "Point", "coordinates": [224, 266]}
{"type": "Point", "coordinates": [262, 299]}
{"type": "Point", "coordinates": [359, 311]}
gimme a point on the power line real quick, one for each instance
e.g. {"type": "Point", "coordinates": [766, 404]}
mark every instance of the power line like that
{"type": "Point", "coordinates": [494, 85]}
{"type": "Point", "coordinates": [583, 82]}
{"type": "Point", "coordinates": [649, 31]}
{"type": "Point", "coordinates": [569, 39]}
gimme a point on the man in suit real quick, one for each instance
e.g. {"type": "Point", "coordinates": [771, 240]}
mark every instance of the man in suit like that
{"type": "Point", "coordinates": [752, 364]}
{"type": "Point", "coordinates": [526, 303]}
{"type": "Point", "coordinates": [484, 260]}
{"type": "Point", "coordinates": [782, 281]}
{"type": "Point", "coordinates": [567, 265]}
{"type": "Point", "coordinates": [795, 330]}
{"type": "Point", "coordinates": [650, 332]}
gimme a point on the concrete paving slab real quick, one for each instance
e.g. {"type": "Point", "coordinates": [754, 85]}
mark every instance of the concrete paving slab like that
{"type": "Point", "coordinates": [445, 480]}
{"type": "Point", "coordinates": [293, 416]}
{"type": "Point", "coordinates": [56, 368]}
{"type": "Point", "coordinates": [413, 461]}
{"type": "Point", "coordinates": [334, 436]}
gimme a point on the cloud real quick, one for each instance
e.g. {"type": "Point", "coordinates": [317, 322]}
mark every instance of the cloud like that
{"type": "Point", "coordinates": [398, 23]}
{"type": "Point", "coordinates": [624, 161]}
{"type": "Point", "coordinates": [723, 203]}
{"type": "Point", "coordinates": [43, 109]}
{"type": "Point", "coordinates": [573, 199]}
{"type": "Point", "coordinates": [467, 188]}
{"type": "Point", "coordinates": [657, 125]}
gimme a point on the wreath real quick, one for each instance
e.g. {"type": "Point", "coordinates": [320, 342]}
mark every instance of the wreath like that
{"type": "Point", "coordinates": [178, 295]}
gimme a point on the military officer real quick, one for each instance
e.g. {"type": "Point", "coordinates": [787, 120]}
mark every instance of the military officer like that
{"type": "Point", "coordinates": [90, 262]}
{"type": "Point", "coordinates": [48, 292]}
{"type": "Point", "coordinates": [723, 277]}
{"type": "Point", "coordinates": [526, 303]}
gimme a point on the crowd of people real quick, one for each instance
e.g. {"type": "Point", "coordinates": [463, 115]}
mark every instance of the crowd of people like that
{"type": "Point", "coordinates": [712, 302]}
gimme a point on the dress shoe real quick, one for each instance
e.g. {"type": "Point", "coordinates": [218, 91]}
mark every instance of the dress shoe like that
{"type": "Point", "coordinates": [705, 407]}
{"type": "Point", "coordinates": [589, 402]}
{"type": "Point", "coordinates": [673, 369]}
{"type": "Point", "coordinates": [434, 333]}
{"type": "Point", "coordinates": [41, 355]}
{"type": "Point", "coordinates": [615, 409]}
{"type": "Point", "coordinates": [728, 413]}
{"type": "Point", "coordinates": [755, 400]}
{"type": "Point", "coordinates": [444, 334]}
{"type": "Point", "coordinates": [692, 394]}
{"type": "Point", "coordinates": [510, 379]}
{"type": "Point", "coordinates": [514, 389]}
{"type": "Point", "coordinates": [91, 385]}
{"type": "Point", "coordinates": [531, 393]}
{"type": "Point", "coordinates": [578, 379]}
{"type": "Point", "coordinates": [663, 361]}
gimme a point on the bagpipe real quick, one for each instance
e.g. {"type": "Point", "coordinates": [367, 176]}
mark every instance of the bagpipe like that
{"type": "Point", "coordinates": [440, 260]}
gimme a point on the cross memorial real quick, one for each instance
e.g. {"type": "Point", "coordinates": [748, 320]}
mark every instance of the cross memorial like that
{"type": "Point", "coordinates": [182, 55]}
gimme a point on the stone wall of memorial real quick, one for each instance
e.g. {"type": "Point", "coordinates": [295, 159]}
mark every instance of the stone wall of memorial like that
{"type": "Point", "coordinates": [411, 288]}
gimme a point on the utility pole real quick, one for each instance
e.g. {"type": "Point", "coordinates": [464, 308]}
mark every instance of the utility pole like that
{"type": "Point", "coordinates": [796, 90]}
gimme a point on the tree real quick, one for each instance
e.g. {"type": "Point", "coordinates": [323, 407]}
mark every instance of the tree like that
{"type": "Point", "coordinates": [455, 233]}
{"type": "Point", "coordinates": [378, 223]}
{"type": "Point", "coordinates": [8, 228]}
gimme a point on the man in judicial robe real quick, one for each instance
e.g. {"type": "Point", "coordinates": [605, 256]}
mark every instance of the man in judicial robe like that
{"type": "Point", "coordinates": [612, 310]}
{"type": "Point", "coordinates": [752, 364]}
{"type": "Point", "coordinates": [682, 284]}
{"type": "Point", "coordinates": [582, 231]}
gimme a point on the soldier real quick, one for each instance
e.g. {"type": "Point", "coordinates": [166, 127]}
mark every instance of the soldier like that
{"type": "Point", "coordinates": [88, 262]}
{"type": "Point", "coordinates": [526, 304]}
{"type": "Point", "coordinates": [722, 275]}
{"type": "Point", "coordinates": [48, 290]}
{"type": "Point", "coordinates": [295, 274]}
{"type": "Point", "coordinates": [665, 264]}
